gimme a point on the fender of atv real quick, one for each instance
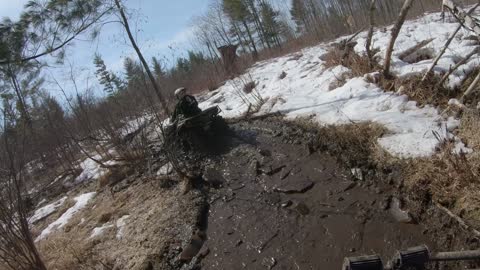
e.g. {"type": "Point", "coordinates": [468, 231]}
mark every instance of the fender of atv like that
{"type": "Point", "coordinates": [200, 120]}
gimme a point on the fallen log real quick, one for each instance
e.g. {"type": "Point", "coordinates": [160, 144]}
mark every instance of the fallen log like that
{"type": "Point", "coordinates": [460, 63]}
{"type": "Point", "coordinates": [460, 221]}
{"type": "Point", "coordinates": [415, 48]}
{"type": "Point", "coordinates": [472, 87]}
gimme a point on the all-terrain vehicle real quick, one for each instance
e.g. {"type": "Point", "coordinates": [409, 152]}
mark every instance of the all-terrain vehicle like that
{"type": "Point", "coordinates": [415, 258]}
{"type": "Point", "coordinates": [195, 133]}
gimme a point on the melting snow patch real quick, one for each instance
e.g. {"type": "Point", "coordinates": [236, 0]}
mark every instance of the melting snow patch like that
{"type": "Point", "coordinates": [165, 169]}
{"type": "Point", "coordinates": [100, 230]}
{"type": "Point", "coordinates": [81, 202]}
{"type": "Point", "coordinates": [91, 170]}
{"type": "Point", "coordinates": [46, 210]}
{"type": "Point", "coordinates": [121, 226]}
{"type": "Point", "coordinates": [318, 91]}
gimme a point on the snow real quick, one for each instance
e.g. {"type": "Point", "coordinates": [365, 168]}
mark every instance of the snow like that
{"type": "Point", "coordinates": [81, 202]}
{"type": "Point", "coordinates": [416, 31]}
{"type": "Point", "coordinates": [455, 102]}
{"type": "Point", "coordinates": [314, 91]}
{"type": "Point", "coordinates": [165, 169]}
{"type": "Point", "coordinates": [46, 210]}
{"type": "Point", "coordinates": [134, 124]}
{"type": "Point", "coordinates": [98, 231]}
{"type": "Point", "coordinates": [121, 226]}
{"type": "Point", "coordinates": [91, 170]}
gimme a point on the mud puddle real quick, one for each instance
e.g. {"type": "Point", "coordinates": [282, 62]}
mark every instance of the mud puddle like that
{"type": "Point", "coordinates": [278, 205]}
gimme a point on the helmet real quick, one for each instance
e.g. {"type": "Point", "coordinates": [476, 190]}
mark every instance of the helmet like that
{"type": "Point", "coordinates": [180, 92]}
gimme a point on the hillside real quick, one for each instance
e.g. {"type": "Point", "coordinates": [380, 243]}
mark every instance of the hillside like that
{"type": "Point", "coordinates": [325, 158]}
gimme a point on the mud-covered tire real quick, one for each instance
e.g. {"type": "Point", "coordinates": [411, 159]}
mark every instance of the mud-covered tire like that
{"type": "Point", "coordinates": [219, 126]}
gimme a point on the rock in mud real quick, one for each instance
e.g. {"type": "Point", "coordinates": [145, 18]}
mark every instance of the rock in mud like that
{"type": "Point", "coordinates": [286, 204]}
{"type": "Point", "coordinates": [398, 214]}
{"type": "Point", "coordinates": [302, 209]}
{"type": "Point", "coordinates": [357, 173]}
{"type": "Point", "coordinates": [213, 177]}
{"type": "Point", "coordinates": [299, 186]}
{"type": "Point", "coordinates": [192, 249]}
{"type": "Point", "coordinates": [165, 169]}
{"type": "Point", "coordinates": [269, 263]}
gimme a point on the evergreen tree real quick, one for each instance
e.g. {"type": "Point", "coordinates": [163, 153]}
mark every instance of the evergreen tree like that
{"type": "Point", "coordinates": [157, 68]}
{"type": "Point", "coordinates": [240, 15]}
{"type": "Point", "coordinates": [271, 23]}
{"type": "Point", "coordinates": [299, 15]}
{"type": "Point", "coordinates": [110, 82]}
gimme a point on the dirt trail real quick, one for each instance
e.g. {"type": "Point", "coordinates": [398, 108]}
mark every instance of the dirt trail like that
{"type": "Point", "coordinates": [278, 205]}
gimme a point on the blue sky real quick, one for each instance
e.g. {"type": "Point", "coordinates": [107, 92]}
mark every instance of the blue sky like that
{"type": "Point", "coordinates": [163, 29]}
{"type": "Point", "coordinates": [158, 25]}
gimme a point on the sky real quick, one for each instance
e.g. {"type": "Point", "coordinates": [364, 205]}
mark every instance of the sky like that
{"type": "Point", "coordinates": [162, 29]}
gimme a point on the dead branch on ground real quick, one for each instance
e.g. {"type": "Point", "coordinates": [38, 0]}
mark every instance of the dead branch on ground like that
{"type": "Point", "coordinates": [415, 48]}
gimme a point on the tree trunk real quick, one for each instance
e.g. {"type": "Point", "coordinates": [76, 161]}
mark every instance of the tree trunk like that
{"type": "Point", "coordinates": [368, 44]}
{"type": "Point", "coordinates": [462, 16]}
{"type": "Point", "coordinates": [161, 98]}
{"type": "Point", "coordinates": [444, 49]}
{"type": "Point", "coordinates": [395, 31]}
{"type": "Point", "coordinates": [240, 38]}
{"type": "Point", "coordinates": [255, 52]}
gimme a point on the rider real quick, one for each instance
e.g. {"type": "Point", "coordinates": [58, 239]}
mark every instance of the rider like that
{"type": "Point", "coordinates": [187, 105]}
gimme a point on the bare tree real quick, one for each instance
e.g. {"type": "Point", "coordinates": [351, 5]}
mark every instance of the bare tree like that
{"type": "Point", "coordinates": [444, 49]}
{"type": "Point", "coordinates": [142, 59]}
{"type": "Point", "coordinates": [17, 247]}
{"type": "Point", "coordinates": [395, 31]}
{"type": "Point", "coordinates": [368, 44]}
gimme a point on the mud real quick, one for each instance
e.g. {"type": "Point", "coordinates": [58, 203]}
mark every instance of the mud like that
{"type": "Point", "coordinates": [282, 207]}
{"type": "Point", "coordinates": [276, 202]}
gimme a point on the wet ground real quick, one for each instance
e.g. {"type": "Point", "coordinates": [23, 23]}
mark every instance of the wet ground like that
{"type": "Point", "coordinates": [274, 203]}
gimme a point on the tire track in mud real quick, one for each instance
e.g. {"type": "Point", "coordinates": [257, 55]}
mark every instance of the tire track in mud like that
{"type": "Point", "coordinates": [279, 205]}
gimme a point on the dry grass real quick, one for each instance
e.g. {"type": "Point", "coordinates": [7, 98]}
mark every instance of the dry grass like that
{"type": "Point", "coordinates": [354, 144]}
{"type": "Point", "coordinates": [452, 179]}
{"type": "Point", "coordinates": [359, 64]}
{"type": "Point", "coordinates": [156, 219]}
{"type": "Point", "coordinates": [474, 99]}
{"type": "Point", "coordinates": [426, 92]}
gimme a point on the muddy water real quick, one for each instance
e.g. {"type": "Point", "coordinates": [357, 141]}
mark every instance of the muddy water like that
{"type": "Point", "coordinates": [278, 206]}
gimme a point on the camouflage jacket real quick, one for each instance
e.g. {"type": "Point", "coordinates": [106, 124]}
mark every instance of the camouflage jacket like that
{"type": "Point", "coordinates": [186, 107]}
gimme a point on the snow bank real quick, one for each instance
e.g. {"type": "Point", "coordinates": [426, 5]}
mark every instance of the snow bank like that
{"type": "Point", "coordinates": [90, 170]}
{"type": "Point", "coordinates": [416, 31]}
{"type": "Point", "coordinates": [121, 222]}
{"type": "Point", "coordinates": [98, 231]}
{"type": "Point", "coordinates": [312, 90]}
{"type": "Point", "coordinates": [46, 210]}
{"type": "Point", "coordinates": [81, 202]}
